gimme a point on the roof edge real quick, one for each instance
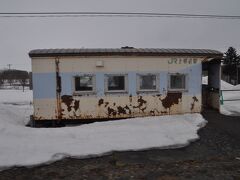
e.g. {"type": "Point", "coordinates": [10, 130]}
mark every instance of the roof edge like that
{"type": "Point", "coordinates": [124, 52]}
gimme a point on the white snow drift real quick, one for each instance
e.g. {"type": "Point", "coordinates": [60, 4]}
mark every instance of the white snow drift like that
{"type": "Point", "coordinates": [231, 107]}
{"type": "Point", "coordinates": [20, 145]}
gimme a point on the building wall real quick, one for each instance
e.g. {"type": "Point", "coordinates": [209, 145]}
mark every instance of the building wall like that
{"type": "Point", "coordinates": [102, 105]}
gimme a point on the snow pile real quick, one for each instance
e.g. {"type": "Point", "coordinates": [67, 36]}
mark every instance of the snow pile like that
{"type": "Point", "coordinates": [231, 107]}
{"type": "Point", "coordinates": [20, 145]}
{"type": "Point", "coordinates": [226, 85]}
{"type": "Point", "coordinates": [236, 87]}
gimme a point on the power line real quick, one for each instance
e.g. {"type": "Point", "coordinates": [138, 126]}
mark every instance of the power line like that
{"type": "Point", "coordinates": [113, 14]}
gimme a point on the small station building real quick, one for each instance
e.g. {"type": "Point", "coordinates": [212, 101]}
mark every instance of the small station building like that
{"type": "Point", "coordinates": [95, 84]}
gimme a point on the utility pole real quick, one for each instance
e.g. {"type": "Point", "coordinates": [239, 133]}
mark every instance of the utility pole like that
{"type": "Point", "coordinates": [9, 66]}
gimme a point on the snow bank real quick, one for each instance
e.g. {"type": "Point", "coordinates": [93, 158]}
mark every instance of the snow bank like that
{"type": "Point", "coordinates": [224, 84]}
{"type": "Point", "coordinates": [236, 87]}
{"type": "Point", "coordinates": [24, 146]}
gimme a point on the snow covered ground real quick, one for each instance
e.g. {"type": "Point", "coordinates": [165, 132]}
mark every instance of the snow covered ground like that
{"type": "Point", "coordinates": [25, 146]}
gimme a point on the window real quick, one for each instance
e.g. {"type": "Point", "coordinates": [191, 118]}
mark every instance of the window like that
{"type": "Point", "coordinates": [84, 83]}
{"type": "Point", "coordinates": [147, 82]}
{"type": "Point", "coordinates": [177, 82]}
{"type": "Point", "coordinates": [116, 83]}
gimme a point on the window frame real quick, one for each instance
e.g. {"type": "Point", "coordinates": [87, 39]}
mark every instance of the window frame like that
{"type": "Point", "coordinates": [93, 91]}
{"type": "Point", "coordinates": [148, 90]}
{"type": "Point", "coordinates": [178, 89]}
{"type": "Point", "coordinates": [106, 76]}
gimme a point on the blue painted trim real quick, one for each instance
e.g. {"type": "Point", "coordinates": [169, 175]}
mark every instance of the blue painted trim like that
{"type": "Point", "coordinates": [132, 83]}
{"type": "Point", "coordinates": [44, 84]}
{"type": "Point", "coordinates": [100, 84]}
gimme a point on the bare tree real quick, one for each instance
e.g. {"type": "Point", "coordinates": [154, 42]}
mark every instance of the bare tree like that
{"type": "Point", "coordinates": [16, 76]}
{"type": "Point", "coordinates": [23, 78]}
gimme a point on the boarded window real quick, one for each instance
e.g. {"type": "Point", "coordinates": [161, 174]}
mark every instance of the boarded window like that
{"type": "Point", "coordinates": [178, 81]}
{"type": "Point", "coordinates": [116, 82]}
{"type": "Point", "coordinates": [84, 83]}
{"type": "Point", "coordinates": [147, 82]}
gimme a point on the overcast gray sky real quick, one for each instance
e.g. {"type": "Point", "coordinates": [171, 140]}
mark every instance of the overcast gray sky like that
{"type": "Point", "coordinates": [20, 35]}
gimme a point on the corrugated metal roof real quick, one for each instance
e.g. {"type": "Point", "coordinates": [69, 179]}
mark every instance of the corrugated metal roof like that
{"type": "Point", "coordinates": [124, 52]}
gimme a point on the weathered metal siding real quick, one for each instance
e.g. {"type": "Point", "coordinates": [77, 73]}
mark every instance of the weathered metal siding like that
{"type": "Point", "coordinates": [45, 109]}
{"type": "Point", "coordinates": [44, 88]}
{"type": "Point", "coordinates": [74, 107]}
{"type": "Point", "coordinates": [102, 105]}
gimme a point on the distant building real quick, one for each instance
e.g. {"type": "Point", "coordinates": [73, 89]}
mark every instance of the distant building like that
{"type": "Point", "coordinates": [83, 84]}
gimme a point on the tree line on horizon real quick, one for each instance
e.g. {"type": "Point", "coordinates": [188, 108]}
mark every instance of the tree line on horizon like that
{"type": "Point", "coordinates": [231, 65]}
{"type": "Point", "coordinates": [14, 77]}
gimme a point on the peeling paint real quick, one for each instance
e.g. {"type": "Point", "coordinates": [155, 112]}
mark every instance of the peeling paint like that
{"type": "Point", "coordinates": [152, 112]}
{"type": "Point", "coordinates": [195, 99]}
{"type": "Point", "coordinates": [106, 104]}
{"type": "Point", "coordinates": [130, 98]}
{"type": "Point", "coordinates": [111, 112]}
{"type": "Point", "coordinates": [129, 110]}
{"type": "Point", "coordinates": [76, 105]}
{"type": "Point", "coordinates": [100, 102]}
{"type": "Point", "coordinates": [66, 99]}
{"type": "Point", "coordinates": [121, 110]}
{"type": "Point", "coordinates": [193, 104]}
{"type": "Point", "coordinates": [141, 104]}
{"type": "Point", "coordinates": [171, 99]}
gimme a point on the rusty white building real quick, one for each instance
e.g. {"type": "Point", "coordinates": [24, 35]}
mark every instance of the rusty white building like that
{"type": "Point", "coordinates": [83, 84]}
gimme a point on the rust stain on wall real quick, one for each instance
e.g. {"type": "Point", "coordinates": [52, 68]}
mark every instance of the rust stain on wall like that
{"type": "Point", "coordinates": [108, 108]}
{"type": "Point", "coordinates": [100, 102]}
{"type": "Point", "coordinates": [164, 112]}
{"type": "Point", "coordinates": [76, 105]}
{"type": "Point", "coordinates": [130, 98]}
{"type": "Point", "coordinates": [121, 110]}
{"type": "Point", "coordinates": [195, 98]}
{"type": "Point", "coordinates": [111, 112]}
{"type": "Point", "coordinates": [106, 104]}
{"type": "Point", "coordinates": [66, 99]}
{"type": "Point", "coordinates": [171, 99]}
{"type": "Point", "coordinates": [141, 104]}
{"type": "Point", "coordinates": [193, 104]}
{"type": "Point", "coordinates": [152, 112]}
{"type": "Point", "coordinates": [129, 110]}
